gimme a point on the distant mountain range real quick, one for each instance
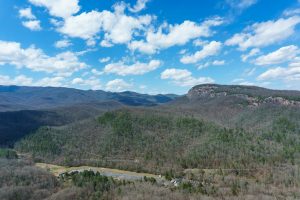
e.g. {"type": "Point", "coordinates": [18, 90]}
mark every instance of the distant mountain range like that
{"type": "Point", "coordinates": [24, 109]}
{"type": "Point", "coordinates": [14, 98]}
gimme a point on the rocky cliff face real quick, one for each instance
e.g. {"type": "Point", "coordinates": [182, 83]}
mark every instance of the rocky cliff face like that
{"type": "Point", "coordinates": [249, 94]}
{"type": "Point", "coordinates": [205, 91]}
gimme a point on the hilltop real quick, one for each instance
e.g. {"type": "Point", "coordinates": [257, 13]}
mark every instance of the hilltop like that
{"type": "Point", "coordinates": [232, 141]}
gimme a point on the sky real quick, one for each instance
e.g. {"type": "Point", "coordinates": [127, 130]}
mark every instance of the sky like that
{"type": "Point", "coordinates": [150, 46]}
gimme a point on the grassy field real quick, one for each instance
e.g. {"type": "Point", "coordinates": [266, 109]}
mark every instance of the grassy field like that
{"type": "Point", "coordinates": [57, 170]}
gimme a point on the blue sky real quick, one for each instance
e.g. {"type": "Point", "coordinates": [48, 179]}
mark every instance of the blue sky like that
{"type": "Point", "coordinates": [150, 46]}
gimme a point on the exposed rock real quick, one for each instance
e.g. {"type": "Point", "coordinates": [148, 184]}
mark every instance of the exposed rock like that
{"type": "Point", "coordinates": [213, 91]}
{"type": "Point", "coordinates": [205, 91]}
{"type": "Point", "coordinates": [281, 101]}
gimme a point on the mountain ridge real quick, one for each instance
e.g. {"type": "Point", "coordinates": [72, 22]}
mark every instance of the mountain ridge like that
{"type": "Point", "coordinates": [14, 98]}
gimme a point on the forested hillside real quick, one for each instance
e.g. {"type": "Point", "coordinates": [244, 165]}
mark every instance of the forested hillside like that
{"type": "Point", "coordinates": [25, 109]}
{"type": "Point", "coordinates": [223, 142]}
{"type": "Point", "coordinates": [246, 107]}
{"type": "Point", "coordinates": [142, 140]}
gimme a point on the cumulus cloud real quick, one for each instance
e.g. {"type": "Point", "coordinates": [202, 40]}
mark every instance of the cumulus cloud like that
{"type": "Point", "coordinates": [139, 6]}
{"type": "Point", "coordinates": [121, 28]}
{"type": "Point", "coordinates": [265, 33]}
{"type": "Point", "coordinates": [284, 54]}
{"type": "Point", "coordinates": [18, 80]}
{"type": "Point", "coordinates": [31, 22]}
{"type": "Point", "coordinates": [58, 8]}
{"type": "Point", "coordinates": [117, 85]}
{"type": "Point", "coordinates": [23, 80]}
{"type": "Point", "coordinates": [138, 68]}
{"type": "Point", "coordinates": [63, 43]}
{"type": "Point", "coordinates": [26, 13]}
{"type": "Point", "coordinates": [85, 25]}
{"type": "Point", "coordinates": [183, 77]}
{"type": "Point", "coordinates": [118, 28]}
{"type": "Point", "coordinates": [50, 81]}
{"type": "Point", "coordinates": [289, 74]}
{"type": "Point", "coordinates": [91, 82]}
{"type": "Point", "coordinates": [33, 25]}
{"type": "Point", "coordinates": [210, 49]}
{"type": "Point", "coordinates": [96, 72]}
{"type": "Point", "coordinates": [170, 35]}
{"type": "Point", "coordinates": [104, 60]}
{"type": "Point", "coordinates": [35, 59]}
{"type": "Point", "coordinates": [105, 43]}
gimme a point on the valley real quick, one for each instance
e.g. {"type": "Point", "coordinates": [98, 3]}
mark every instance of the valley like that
{"type": "Point", "coordinates": [215, 142]}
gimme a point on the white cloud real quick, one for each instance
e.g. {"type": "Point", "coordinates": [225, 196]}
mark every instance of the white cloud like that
{"type": "Point", "coordinates": [205, 65]}
{"type": "Point", "coordinates": [241, 4]}
{"type": "Point", "coordinates": [214, 63]}
{"type": "Point", "coordinates": [139, 6]}
{"type": "Point", "coordinates": [284, 54]}
{"type": "Point", "coordinates": [105, 43]}
{"type": "Point", "coordinates": [23, 80]}
{"type": "Point", "coordinates": [35, 59]}
{"type": "Point", "coordinates": [218, 62]}
{"type": "Point", "coordinates": [104, 60]}
{"type": "Point", "coordinates": [18, 80]}
{"type": "Point", "coordinates": [265, 33]}
{"type": "Point", "coordinates": [135, 69]}
{"type": "Point", "coordinates": [182, 51]}
{"type": "Point", "coordinates": [26, 13]}
{"type": "Point", "coordinates": [279, 73]}
{"type": "Point", "coordinates": [58, 8]}
{"type": "Point", "coordinates": [96, 72]}
{"type": "Point", "coordinates": [199, 43]}
{"type": "Point", "coordinates": [50, 81]}
{"type": "Point", "coordinates": [171, 35]}
{"type": "Point", "coordinates": [63, 43]}
{"type": "Point", "coordinates": [252, 53]}
{"type": "Point", "coordinates": [183, 77]}
{"type": "Point", "coordinates": [291, 12]}
{"type": "Point", "coordinates": [210, 49]}
{"type": "Point", "coordinates": [118, 28]}
{"type": "Point", "coordinates": [118, 85]}
{"type": "Point", "coordinates": [56, 22]}
{"type": "Point", "coordinates": [91, 82]}
{"type": "Point", "coordinates": [33, 25]}
{"type": "Point", "coordinates": [85, 25]}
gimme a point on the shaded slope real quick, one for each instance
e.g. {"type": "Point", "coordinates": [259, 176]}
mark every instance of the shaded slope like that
{"type": "Point", "coordinates": [16, 124]}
